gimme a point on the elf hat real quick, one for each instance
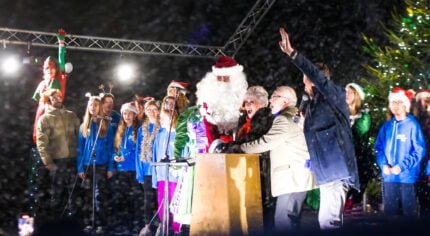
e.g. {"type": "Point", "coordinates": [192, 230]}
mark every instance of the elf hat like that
{"type": "Point", "coordinates": [399, 94]}
{"type": "Point", "coordinates": [226, 66]}
{"type": "Point", "coordinates": [50, 62]}
{"type": "Point", "coordinates": [359, 90]}
{"type": "Point", "coordinates": [129, 107]}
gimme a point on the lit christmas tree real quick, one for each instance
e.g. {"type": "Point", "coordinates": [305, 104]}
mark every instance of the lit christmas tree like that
{"type": "Point", "coordinates": [405, 62]}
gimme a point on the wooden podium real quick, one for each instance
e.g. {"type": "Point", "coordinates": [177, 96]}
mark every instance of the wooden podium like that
{"type": "Point", "coordinates": [227, 195]}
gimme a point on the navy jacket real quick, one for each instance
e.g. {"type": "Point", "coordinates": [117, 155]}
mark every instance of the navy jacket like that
{"type": "Point", "coordinates": [327, 129]}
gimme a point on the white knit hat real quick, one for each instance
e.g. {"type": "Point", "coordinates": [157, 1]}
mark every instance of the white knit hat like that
{"type": "Point", "coordinates": [359, 90]}
{"type": "Point", "coordinates": [128, 107]}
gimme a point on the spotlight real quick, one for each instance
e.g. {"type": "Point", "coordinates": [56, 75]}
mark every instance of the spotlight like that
{"type": "Point", "coordinates": [125, 72]}
{"type": "Point", "coordinates": [10, 65]}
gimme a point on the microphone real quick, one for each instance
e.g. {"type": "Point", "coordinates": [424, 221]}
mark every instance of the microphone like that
{"type": "Point", "coordinates": [303, 103]}
{"type": "Point", "coordinates": [108, 118]}
{"type": "Point", "coordinates": [302, 107]}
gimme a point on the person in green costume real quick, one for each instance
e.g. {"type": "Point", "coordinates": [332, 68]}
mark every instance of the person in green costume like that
{"type": "Point", "coordinates": [54, 77]}
{"type": "Point", "coordinates": [360, 125]}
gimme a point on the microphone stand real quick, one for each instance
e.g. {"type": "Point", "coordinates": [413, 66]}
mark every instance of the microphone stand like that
{"type": "Point", "coordinates": [93, 159]}
{"type": "Point", "coordinates": [166, 159]}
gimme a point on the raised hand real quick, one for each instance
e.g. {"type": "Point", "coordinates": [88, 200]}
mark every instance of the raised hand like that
{"type": "Point", "coordinates": [285, 44]}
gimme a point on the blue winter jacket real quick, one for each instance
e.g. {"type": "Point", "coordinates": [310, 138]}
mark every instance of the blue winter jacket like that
{"type": "Point", "coordinates": [159, 152]}
{"type": "Point", "coordinates": [327, 129]}
{"type": "Point", "coordinates": [143, 168]}
{"type": "Point", "coordinates": [103, 149]}
{"type": "Point", "coordinates": [127, 150]}
{"type": "Point", "coordinates": [401, 143]}
{"type": "Point", "coordinates": [116, 117]}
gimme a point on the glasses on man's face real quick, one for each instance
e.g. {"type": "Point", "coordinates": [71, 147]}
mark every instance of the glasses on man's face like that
{"type": "Point", "coordinates": [277, 96]}
{"type": "Point", "coordinates": [397, 103]}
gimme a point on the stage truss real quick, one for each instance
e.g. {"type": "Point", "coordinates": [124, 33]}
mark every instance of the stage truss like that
{"type": "Point", "coordinates": [103, 44]}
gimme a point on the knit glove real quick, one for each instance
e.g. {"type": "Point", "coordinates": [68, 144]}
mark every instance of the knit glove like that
{"type": "Point", "coordinates": [61, 35]}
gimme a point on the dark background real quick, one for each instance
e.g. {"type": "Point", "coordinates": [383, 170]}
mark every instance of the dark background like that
{"type": "Point", "coordinates": [323, 30]}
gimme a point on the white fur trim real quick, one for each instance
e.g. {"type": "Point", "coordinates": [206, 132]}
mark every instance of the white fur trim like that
{"type": "Point", "coordinates": [129, 107]}
{"type": "Point", "coordinates": [226, 71]}
{"type": "Point", "coordinates": [400, 96]}
{"type": "Point", "coordinates": [359, 90]}
{"type": "Point", "coordinates": [422, 95]}
{"type": "Point", "coordinates": [176, 85]}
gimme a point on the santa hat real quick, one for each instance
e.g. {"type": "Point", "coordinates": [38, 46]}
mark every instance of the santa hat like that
{"type": "Point", "coordinates": [147, 99]}
{"type": "Point", "coordinates": [399, 94]}
{"type": "Point", "coordinates": [422, 94]}
{"type": "Point", "coordinates": [359, 90]}
{"type": "Point", "coordinates": [129, 107]}
{"type": "Point", "coordinates": [177, 84]}
{"type": "Point", "coordinates": [226, 66]}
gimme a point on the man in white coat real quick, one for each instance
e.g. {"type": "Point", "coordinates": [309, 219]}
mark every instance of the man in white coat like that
{"type": "Point", "coordinates": [291, 176]}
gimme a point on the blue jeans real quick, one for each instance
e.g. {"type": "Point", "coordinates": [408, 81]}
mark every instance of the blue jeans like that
{"type": "Point", "coordinates": [399, 198]}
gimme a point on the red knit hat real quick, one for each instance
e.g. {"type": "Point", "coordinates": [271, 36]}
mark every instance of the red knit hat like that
{"type": "Point", "coordinates": [226, 66]}
{"type": "Point", "coordinates": [399, 94]}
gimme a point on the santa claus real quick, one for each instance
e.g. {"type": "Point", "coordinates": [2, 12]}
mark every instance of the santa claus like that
{"type": "Point", "coordinates": [215, 117]}
{"type": "Point", "coordinates": [221, 94]}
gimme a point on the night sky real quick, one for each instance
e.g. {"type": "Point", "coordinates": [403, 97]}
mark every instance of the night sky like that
{"type": "Point", "coordinates": [323, 30]}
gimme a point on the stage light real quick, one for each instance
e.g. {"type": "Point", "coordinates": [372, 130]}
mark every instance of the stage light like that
{"type": "Point", "coordinates": [10, 65]}
{"type": "Point", "coordinates": [125, 72]}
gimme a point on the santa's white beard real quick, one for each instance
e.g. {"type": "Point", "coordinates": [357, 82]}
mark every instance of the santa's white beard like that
{"type": "Point", "coordinates": [223, 100]}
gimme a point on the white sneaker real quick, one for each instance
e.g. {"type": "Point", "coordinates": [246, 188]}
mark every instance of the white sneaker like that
{"type": "Point", "coordinates": [146, 231]}
{"type": "Point", "coordinates": [99, 230]}
{"type": "Point", "coordinates": [88, 228]}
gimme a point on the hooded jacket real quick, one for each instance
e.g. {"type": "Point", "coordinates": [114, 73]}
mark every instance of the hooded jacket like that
{"type": "Point", "coordinates": [127, 149]}
{"type": "Point", "coordinates": [401, 143]}
{"type": "Point", "coordinates": [102, 151]}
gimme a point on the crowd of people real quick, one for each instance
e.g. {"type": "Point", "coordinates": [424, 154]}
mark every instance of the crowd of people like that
{"type": "Point", "coordinates": [102, 167]}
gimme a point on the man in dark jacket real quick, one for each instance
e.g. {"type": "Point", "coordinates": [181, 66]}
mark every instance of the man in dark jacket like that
{"type": "Point", "coordinates": [328, 136]}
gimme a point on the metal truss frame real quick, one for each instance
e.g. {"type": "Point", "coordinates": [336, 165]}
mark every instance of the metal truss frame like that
{"type": "Point", "coordinates": [247, 26]}
{"type": "Point", "coordinates": [103, 44]}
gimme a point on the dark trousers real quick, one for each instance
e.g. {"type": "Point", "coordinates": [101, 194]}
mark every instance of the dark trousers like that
{"type": "Point", "coordinates": [127, 199]}
{"type": "Point", "coordinates": [266, 194]}
{"type": "Point", "coordinates": [149, 199]}
{"type": "Point", "coordinates": [400, 199]}
{"type": "Point", "coordinates": [102, 196]}
{"type": "Point", "coordinates": [55, 199]}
